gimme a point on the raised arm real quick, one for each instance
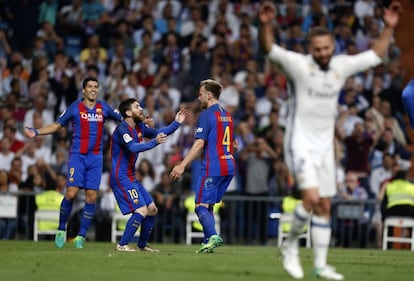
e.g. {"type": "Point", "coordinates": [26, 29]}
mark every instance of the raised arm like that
{"type": "Point", "coordinates": [267, 12]}
{"type": "Point", "coordinates": [179, 119]}
{"type": "Point", "coordinates": [391, 18]}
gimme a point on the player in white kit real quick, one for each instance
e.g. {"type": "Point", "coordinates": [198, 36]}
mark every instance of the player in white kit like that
{"type": "Point", "coordinates": [314, 83]}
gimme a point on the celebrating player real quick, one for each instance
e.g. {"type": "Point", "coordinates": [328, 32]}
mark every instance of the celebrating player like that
{"type": "Point", "coordinates": [315, 81]}
{"type": "Point", "coordinates": [132, 197]}
{"type": "Point", "coordinates": [85, 162]}
{"type": "Point", "coordinates": [214, 135]}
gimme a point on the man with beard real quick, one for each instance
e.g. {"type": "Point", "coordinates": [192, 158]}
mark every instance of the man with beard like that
{"type": "Point", "coordinates": [132, 197]}
{"type": "Point", "coordinates": [314, 84]}
{"type": "Point", "coordinates": [215, 136]}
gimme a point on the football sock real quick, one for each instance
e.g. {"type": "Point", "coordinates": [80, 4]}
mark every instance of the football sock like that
{"type": "Point", "coordinates": [207, 221]}
{"type": "Point", "coordinates": [321, 237]}
{"type": "Point", "coordinates": [88, 213]}
{"type": "Point", "coordinates": [131, 227]}
{"type": "Point", "coordinates": [65, 209]}
{"type": "Point", "coordinates": [146, 228]}
{"type": "Point", "coordinates": [300, 217]}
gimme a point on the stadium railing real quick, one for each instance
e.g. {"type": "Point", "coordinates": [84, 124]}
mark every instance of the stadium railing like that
{"type": "Point", "coordinates": [244, 220]}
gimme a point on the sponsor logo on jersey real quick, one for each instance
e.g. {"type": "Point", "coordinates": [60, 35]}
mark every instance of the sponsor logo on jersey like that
{"type": "Point", "coordinates": [127, 138]}
{"type": "Point", "coordinates": [321, 94]}
{"type": "Point", "coordinates": [92, 117]}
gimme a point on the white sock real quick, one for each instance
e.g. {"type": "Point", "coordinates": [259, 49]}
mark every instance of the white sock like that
{"type": "Point", "coordinates": [300, 218]}
{"type": "Point", "coordinates": [321, 237]}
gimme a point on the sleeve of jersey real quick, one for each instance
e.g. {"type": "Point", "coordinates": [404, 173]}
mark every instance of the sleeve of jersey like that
{"type": "Point", "coordinates": [151, 132]}
{"type": "Point", "coordinates": [112, 113]}
{"type": "Point", "coordinates": [202, 128]}
{"type": "Point", "coordinates": [408, 101]}
{"type": "Point", "coordinates": [133, 146]}
{"type": "Point", "coordinates": [66, 116]}
{"type": "Point", "coordinates": [140, 147]}
{"type": "Point", "coordinates": [288, 61]}
{"type": "Point", "coordinates": [354, 64]}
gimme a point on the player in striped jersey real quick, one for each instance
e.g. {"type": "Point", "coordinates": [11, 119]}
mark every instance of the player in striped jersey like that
{"type": "Point", "coordinates": [132, 197]}
{"type": "Point", "coordinates": [215, 137]}
{"type": "Point", "coordinates": [85, 162]}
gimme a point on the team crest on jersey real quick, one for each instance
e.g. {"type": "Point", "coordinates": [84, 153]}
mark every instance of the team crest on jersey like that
{"type": "Point", "coordinates": [127, 138]}
{"type": "Point", "coordinates": [99, 110]}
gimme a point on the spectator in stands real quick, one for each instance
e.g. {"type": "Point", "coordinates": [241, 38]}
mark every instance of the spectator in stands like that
{"type": "Point", "coordinates": [380, 174]}
{"type": "Point", "coordinates": [16, 145]}
{"type": "Point", "coordinates": [16, 80]}
{"type": "Point", "coordinates": [5, 49]}
{"type": "Point", "coordinates": [6, 154]}
{"type": "Point", "coordinates": [166, 196]}
{"type": "Point", "coordinates": [258, 156]}
{"type": "Point", "coordinates": [70, 18]}
{"type": "Point", "coordinates": [353, 229]}
{"type": "Point", "coordinates": [7, 225]}
{"type": "Point", "coordinates": [388, 143]}
{"type": "Point", "coordinates": [358, 147]}
{"type": "Point", "coordinates": [147, 174]}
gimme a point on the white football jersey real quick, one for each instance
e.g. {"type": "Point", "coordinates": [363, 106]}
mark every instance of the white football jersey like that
{"type": "Point", "coordinates": [314, 94]}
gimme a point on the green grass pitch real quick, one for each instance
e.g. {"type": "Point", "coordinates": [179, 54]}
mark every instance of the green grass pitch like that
{"type": "Point", "coordinates": [25, 260]}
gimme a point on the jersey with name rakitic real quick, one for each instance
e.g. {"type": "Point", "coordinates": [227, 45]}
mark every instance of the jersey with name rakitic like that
{"type": "Point", "coordinates": [215, 127]}
{"type": "Point", "coordinates": [87, 125]}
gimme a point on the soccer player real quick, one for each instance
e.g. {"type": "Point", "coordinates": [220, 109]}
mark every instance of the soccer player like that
{"type": "Point", "coordinates": [126, 143]}
{"type": "Point", "coordinates": [215, 136]}
{"type": "Point", "coordinates": [314, 84]}
{"type": "Point", "coordinates": [85, 162]}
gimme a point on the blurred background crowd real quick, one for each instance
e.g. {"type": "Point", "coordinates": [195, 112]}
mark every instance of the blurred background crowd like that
{"type": "Point", "coordinates": [158, 52]}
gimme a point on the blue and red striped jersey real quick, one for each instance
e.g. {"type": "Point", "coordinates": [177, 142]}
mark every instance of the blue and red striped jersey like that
{"type": "Point", "coordinates": [215, 127]}
{"type": "Point", "coordinates": [126, 143]}
{"type": "Point", "coordinates": [87, 125]}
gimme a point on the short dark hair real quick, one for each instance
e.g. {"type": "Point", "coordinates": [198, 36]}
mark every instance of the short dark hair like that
{"type": "Point", "coordinates": [212, 86]}
{"type": "Point", "coordinates": [125, 105]}
{"type": "Point", "coordinates": [87, 79]}
{"type": "Point", "coordinates": [318, 31]}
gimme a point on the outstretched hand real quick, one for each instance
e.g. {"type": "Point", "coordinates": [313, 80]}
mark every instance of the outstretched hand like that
{"type": "Point", "coordinates": [181, 115]}
{"type": "Point", "coordinates": [267, 12]}
{"type": "Point", "coordinates": [392, 14]}
{"type": "Point", "coordinates": [29, 132]}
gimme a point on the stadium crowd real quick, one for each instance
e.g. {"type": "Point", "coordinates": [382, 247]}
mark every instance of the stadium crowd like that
{"type": "Point", "coordinates": [158, 52]}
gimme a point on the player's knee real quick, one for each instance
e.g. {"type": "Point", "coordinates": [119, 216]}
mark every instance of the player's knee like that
{"type": "Point", "coordinates": [91, 196]}
{"type": "Point", "coordinates": [311, 203]}
{"type": "Point", "coordinates": [143, 211]}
